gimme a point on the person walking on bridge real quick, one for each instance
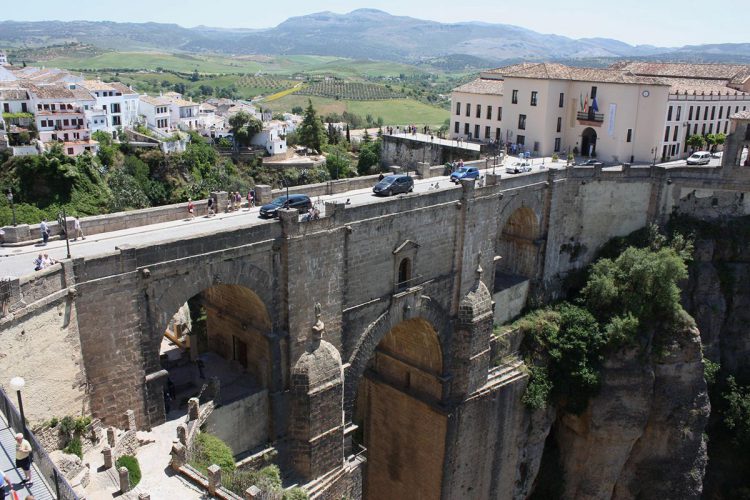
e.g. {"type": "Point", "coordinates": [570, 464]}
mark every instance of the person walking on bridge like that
{"type": "Point", "coordinates": [24, 458]}
{"type": "Point", "coordinates": [191, 208]}
{"type": "Point", "coordinates": [4, 481]}
{"type": "Point", "coordinates": [44, 229]}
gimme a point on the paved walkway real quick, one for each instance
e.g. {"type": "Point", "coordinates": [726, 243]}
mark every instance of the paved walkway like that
{"type": "Point", "coordinates": [39, 488]}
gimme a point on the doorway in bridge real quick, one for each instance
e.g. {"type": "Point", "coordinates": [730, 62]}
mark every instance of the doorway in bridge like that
{"type": "Point", "coordinates": [400, 423]}
{"type": "Point", "coordinates": [216, 347]}
{"type": "Point", "coordinates": [588, 142]}
{"type": "Point", "coordinates": [518, 247]}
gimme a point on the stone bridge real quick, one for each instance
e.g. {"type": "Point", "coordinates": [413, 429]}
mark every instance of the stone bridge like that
{"type": "Point", "coordinates": [401, 344]}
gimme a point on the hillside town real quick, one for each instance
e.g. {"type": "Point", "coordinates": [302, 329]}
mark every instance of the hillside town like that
{"type": "Point", "coordinates": [46, 106]}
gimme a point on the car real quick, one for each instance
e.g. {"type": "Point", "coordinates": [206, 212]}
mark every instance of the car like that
{"type": "Point", "coordinates": [592, 163]}
{"type": "Point", "coordinates": [394, 184]}
{"type": "Point", "coordinates": [518, 167]}
{"type": "Point", "coordinates": [300, 202]}
{"type": "Point", "coordinates": [465, 173]}
{"type": "Point", "coordinates": [699, 158]}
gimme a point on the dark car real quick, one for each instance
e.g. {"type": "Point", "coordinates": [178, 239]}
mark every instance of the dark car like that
{"type": "Point", "coordinates": [394, 184]}
{"type": "Point", "coordinates": [591, 163]}
{"type": "Point", "coordinates": [465, 173]}
{"type": "Point", "coordinates": [300, 202]}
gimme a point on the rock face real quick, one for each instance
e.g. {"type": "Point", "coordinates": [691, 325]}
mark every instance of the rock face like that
{"type": "Point", "coordinates": [642, 435]}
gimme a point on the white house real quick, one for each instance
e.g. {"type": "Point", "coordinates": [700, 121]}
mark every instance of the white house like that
{"type": "Point", "coordinates": [116, 104]}
{"type": "Point", "coordinates": [156, 112]}
{"type": "Point", "coordinates": [272, 137]}
{"type": "Point", "coordinates": [184, 114]}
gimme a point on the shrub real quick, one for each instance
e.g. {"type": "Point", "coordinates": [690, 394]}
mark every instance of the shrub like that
{"type": "Point", "coordinates": [537, 392]}
{"type": "Point", "coordinates": [75, 447]}
{"type": "Point", "coordinates": [295, 494]}
{"type": "Point", "coordinates": [53, 422]}
{"type": "Point", "coordinates": [555, 157]}
{"type": "Point", "coordinates": [134, 469]}
{"type": "Point", "coordinates": [67, 425]}
{"type": "Point", "coordinates": [211, 450]}
{"type": "Point", "coordinates": [81, 423]}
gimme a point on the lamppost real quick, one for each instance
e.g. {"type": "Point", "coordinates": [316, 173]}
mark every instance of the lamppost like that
{"type": "Point", "coordinates": [62, 220]}
{"type": "Point", "coordinates": [17, 384]}
{"type": "Point", "coordinates": [12, 206]}
{"type": "Point", "coordinates": [653, 152]}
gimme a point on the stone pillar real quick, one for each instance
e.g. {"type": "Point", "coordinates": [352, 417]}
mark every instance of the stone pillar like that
{"type": "Point", "coordinates": [423, 170]}
{"type": "Point", "coordinates": [220, 198]}
{"type": "Point", "coordinates": [124, 479]}
{"type": "Point", "coordinates": [193, 408]}
{"type": "Point", "coordinates": [493, 179]}
{"type": "Point", "coordinates": [130, 415]}
{"type": "Point", "coordinates": [182, 433]}
{"type": "Point", "coordinates": [107, 454]}
{"type": "Point", "coordinates": [626, 168]}
{"type": "Point", "coordinates": [144, 496]}
{"type": "Point", "coordinates": [263, 194]}
{"type": "Point", "coordinates": [214, 479]}
{"type": "Point", "coordinates": [179, 456]}
{"type": "Point", "coordinates": [111, 436]}
{"type": "Point", "coordinates": [252, 493]}
{"type": "Point", "coordinates": [21, 232]}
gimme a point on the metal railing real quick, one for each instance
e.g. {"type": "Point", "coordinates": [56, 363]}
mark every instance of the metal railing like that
{"type": "Point", "coordinates": [590, 116]}
{"type": "Point", "coordinates": [47, 468]}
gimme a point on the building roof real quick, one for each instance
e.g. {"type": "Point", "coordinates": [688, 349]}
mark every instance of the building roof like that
{"type": "Point", "coordinates": [684, 70]}
{"type": "Point", "coordinates": [698, 86]}
{"type": "Point", "coordinates": [556, 71]}
{"type": "Point", "coordinates": [13, 95]}
{"type": "Point", "coordinates": [742, 115]}
{"type": "Point", "coordinates": [183, 103]}
{"type": "Point", "coordinates": [122, 88]}
{"type": "Point", "coordinates": [58, 91]}
{"type": "Point", "coordinates": [482, 86]}
{"type": "Point", "coordinates": [155, 101]}
{"type": "Point", "coordinates": [96, 85]}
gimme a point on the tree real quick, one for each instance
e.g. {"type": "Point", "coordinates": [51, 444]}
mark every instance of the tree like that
{"type": "Point", "coordinates": [337, 163]}
{"type": "Point", "coordinates": [243, 128]}
{"type": "Point", "coordinates": [695, 142]}
{"type": "Point", "coordinates": [311, 131]}
{"type": "Point", "coordinates": [297, 110]}
{"type": "Point", "coordinates": [369, 156]}
{"type": "Point", "coordinates": [348, 137]}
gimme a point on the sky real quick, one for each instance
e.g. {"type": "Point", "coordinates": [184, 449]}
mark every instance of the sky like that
{"type": "Point", "coordinates": [664, 23]}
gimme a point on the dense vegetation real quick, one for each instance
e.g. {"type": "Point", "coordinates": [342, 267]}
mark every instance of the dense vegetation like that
{"type": "Point", "coordinates": [211, 450]}
{"type": "Point", "coordinates": [630, 301]}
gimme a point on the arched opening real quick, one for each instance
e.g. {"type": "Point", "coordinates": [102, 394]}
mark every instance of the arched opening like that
{"type": "Point", "coordinates": [588, 142]}
{"type": "Point", "coordinates": [518, 247]}
{"type": "Point", "coordinates": [404, 273]}
{"type": "Point", "coordinates": [400, 424]}
{"type": "Point", "coordinates": [216, 347]}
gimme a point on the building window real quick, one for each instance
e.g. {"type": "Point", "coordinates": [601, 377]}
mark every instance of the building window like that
{"type": "Point", "coordinates": [710, 128]}
{"type": "Point", "coordinates": [479, 110]}
{"type": "Point", "coordinates": [404, 274]}
{"type": "Point", "coordinates": [114, 107]}
{"type": "Point", "coordinates": [522, 122]}
{"type": "Point", "coordinates": [458, 108]}
{"type": "Point", "coordinates": [559, 123]}
{"type": "Point", "coordinates": [476, 131]}
{"type": "Point", "coordinates": [468, 109]}
{"type": "Point", "coordinates": [674, 135]}
{"type": "Point", "coordinates": [703, 129]}
{"type": "Point", "coordinates": [705, 113]}
{"type": "Point", "coordinates": [666, 134]}
{"type": "Point", "coordinates": [116, 121]}
{"type": "Point", "coordinates": [6, 107]}
{"type": "Point", "coordinates": [729, 111]}
{"type": "Point", "coordinates": [669, 114]}
{"type": "Point", "coordinates": [562, 99]}
{"type": "Point", "coordinates": [557, 144]}
{"type": "Point", "coordinates": [70, 151]}
{"type": "Point", "coordinates": [521, 139]}
{"type": "Point", "coordinates": [630, 135]}
{"type": "Point", "coordinates": [713, 112]}
{"type": "Point", "coordinates": [497, 134]}
{"type": "Point", "coordinates": [534, 94]}
{"type": "Point", "coordinates": [721, 112]}
{"type": "Point", "coordinates": [726, 124]}
{"type": "Point", "coordinates": [690, 113]}
{"type": "Point", "coordinates": [679, 112]}
{"type": "Point", "coordinates": [697, 112]}
{"type": "Point", "coordinates": [593, 93]}
{"type": "Point", "coordinates": [24, 109]}
{"type": "Point", "coordinates": [466, 129]}
{"type": "Point", "coordinates": [456, 127]}
{"type": "Point", "coordinates": [695, 128]}
{"type": "Point", "coordinates": [499, 113]}
{"type": "Point", "coordinates": [514, 97]}
{"type": "Point", "coordinates": [487, 132]}
{"type": "Point", "coordinates": [489, 112]}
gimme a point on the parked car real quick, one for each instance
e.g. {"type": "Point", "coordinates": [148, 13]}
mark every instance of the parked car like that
{"type": "Point", "coordinates": [300, 202]}
{"type": "Point", "coordinates": [465, 173]}
{"type": "Point", "coordinates": [518, 167]}
{"type": "Point", "coordinates": [592, 163]}
{"type": "Point", "coordinates": [699, 158]}
{"type": "Point", "coordinates": [394, 184]}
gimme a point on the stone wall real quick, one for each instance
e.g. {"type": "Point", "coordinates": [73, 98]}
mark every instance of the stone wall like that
{"type": "Point", "coordinates": [407, 153]}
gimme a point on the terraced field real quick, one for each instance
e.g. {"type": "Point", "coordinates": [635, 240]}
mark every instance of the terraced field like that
{"type": "Point", "coordinates": [350, 91]}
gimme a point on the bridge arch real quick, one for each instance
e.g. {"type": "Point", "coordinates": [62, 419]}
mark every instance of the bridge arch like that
{"type": "Point", "coordinates": [518, 243]}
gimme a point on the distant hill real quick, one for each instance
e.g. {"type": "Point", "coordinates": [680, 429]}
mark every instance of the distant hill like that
{"type": "Point", "coordinates": [360, 34]}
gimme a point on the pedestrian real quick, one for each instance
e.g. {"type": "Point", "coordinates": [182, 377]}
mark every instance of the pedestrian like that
{"type": "Point", "coordinates": [47, 261]}
{"type": "Point", "coordinates": [381, 176]}
{"type": "Point", "coordinates": [167, 399]}
{"type": "Point", "coordinates": [39, 263]}
{"type": "Point", "coordinates": [44, 229]}
{"type": "Point", "coordinates": [210, 205]}
{"type": "Point", "coordinates": [4, 481]}
{"type": "Point", "coordinates": [250, 199]}
{"type": "Point", "coordinates": [77, 229]}
{"type": "Point", "coordinates": [191, 208]}
{"type": "Point", "coordinates": [24, 458]}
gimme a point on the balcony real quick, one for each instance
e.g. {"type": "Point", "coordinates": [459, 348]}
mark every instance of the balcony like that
{"type": "Point", "coordinates": [590, 116]}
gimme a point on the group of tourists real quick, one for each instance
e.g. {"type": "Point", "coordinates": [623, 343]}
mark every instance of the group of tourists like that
{"type": "Point", "coordinates": [45, 230]}
{"type": "Point", "coordinates": [234, 203]}
{"type": "Point", "coordinates": [43, 261]}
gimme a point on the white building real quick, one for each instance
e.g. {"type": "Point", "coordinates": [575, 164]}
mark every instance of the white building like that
{"type": "Point", "coordinates": [116, 106]}
{"type": "Point", "coordinates": [156, 112]}
{"type": "Point", "coordinates": [4, 58]}
{"type": "Point", "coordinates": [272, 138]}
{"type": "Point", "coordinates": [184, 114]}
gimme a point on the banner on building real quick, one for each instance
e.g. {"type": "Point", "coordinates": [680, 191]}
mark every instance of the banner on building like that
{"type": "Point", "coordinates": [611, 126]}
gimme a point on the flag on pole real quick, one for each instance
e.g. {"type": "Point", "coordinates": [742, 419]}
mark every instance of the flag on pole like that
{"type": "Point", "coordinates": [586, 104]}
{"type": "Point", "coordinates": [594, 105]}
{"type": "Point", "coordinates": [582, 102]}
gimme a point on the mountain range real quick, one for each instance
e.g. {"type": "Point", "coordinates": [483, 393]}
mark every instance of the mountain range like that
{"type": "Point", "coordinates": [360, 34]}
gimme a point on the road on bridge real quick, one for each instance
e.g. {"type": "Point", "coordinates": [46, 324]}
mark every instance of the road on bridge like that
{"type": "Point", "coordinates": [18, 261]}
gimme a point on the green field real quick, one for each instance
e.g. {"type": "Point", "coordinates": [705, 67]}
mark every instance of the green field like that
{"type": "Point", "coordinates": [393, 111]}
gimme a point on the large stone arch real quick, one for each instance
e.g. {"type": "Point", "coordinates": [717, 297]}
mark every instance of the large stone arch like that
{"type": "Point", "coordinates": [422, 307]}
{"type": "Point", "coordinates": [518, 242]}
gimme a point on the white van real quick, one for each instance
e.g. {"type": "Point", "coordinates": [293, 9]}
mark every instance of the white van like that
{"type": "Point", "coordinates": [699, 158]}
